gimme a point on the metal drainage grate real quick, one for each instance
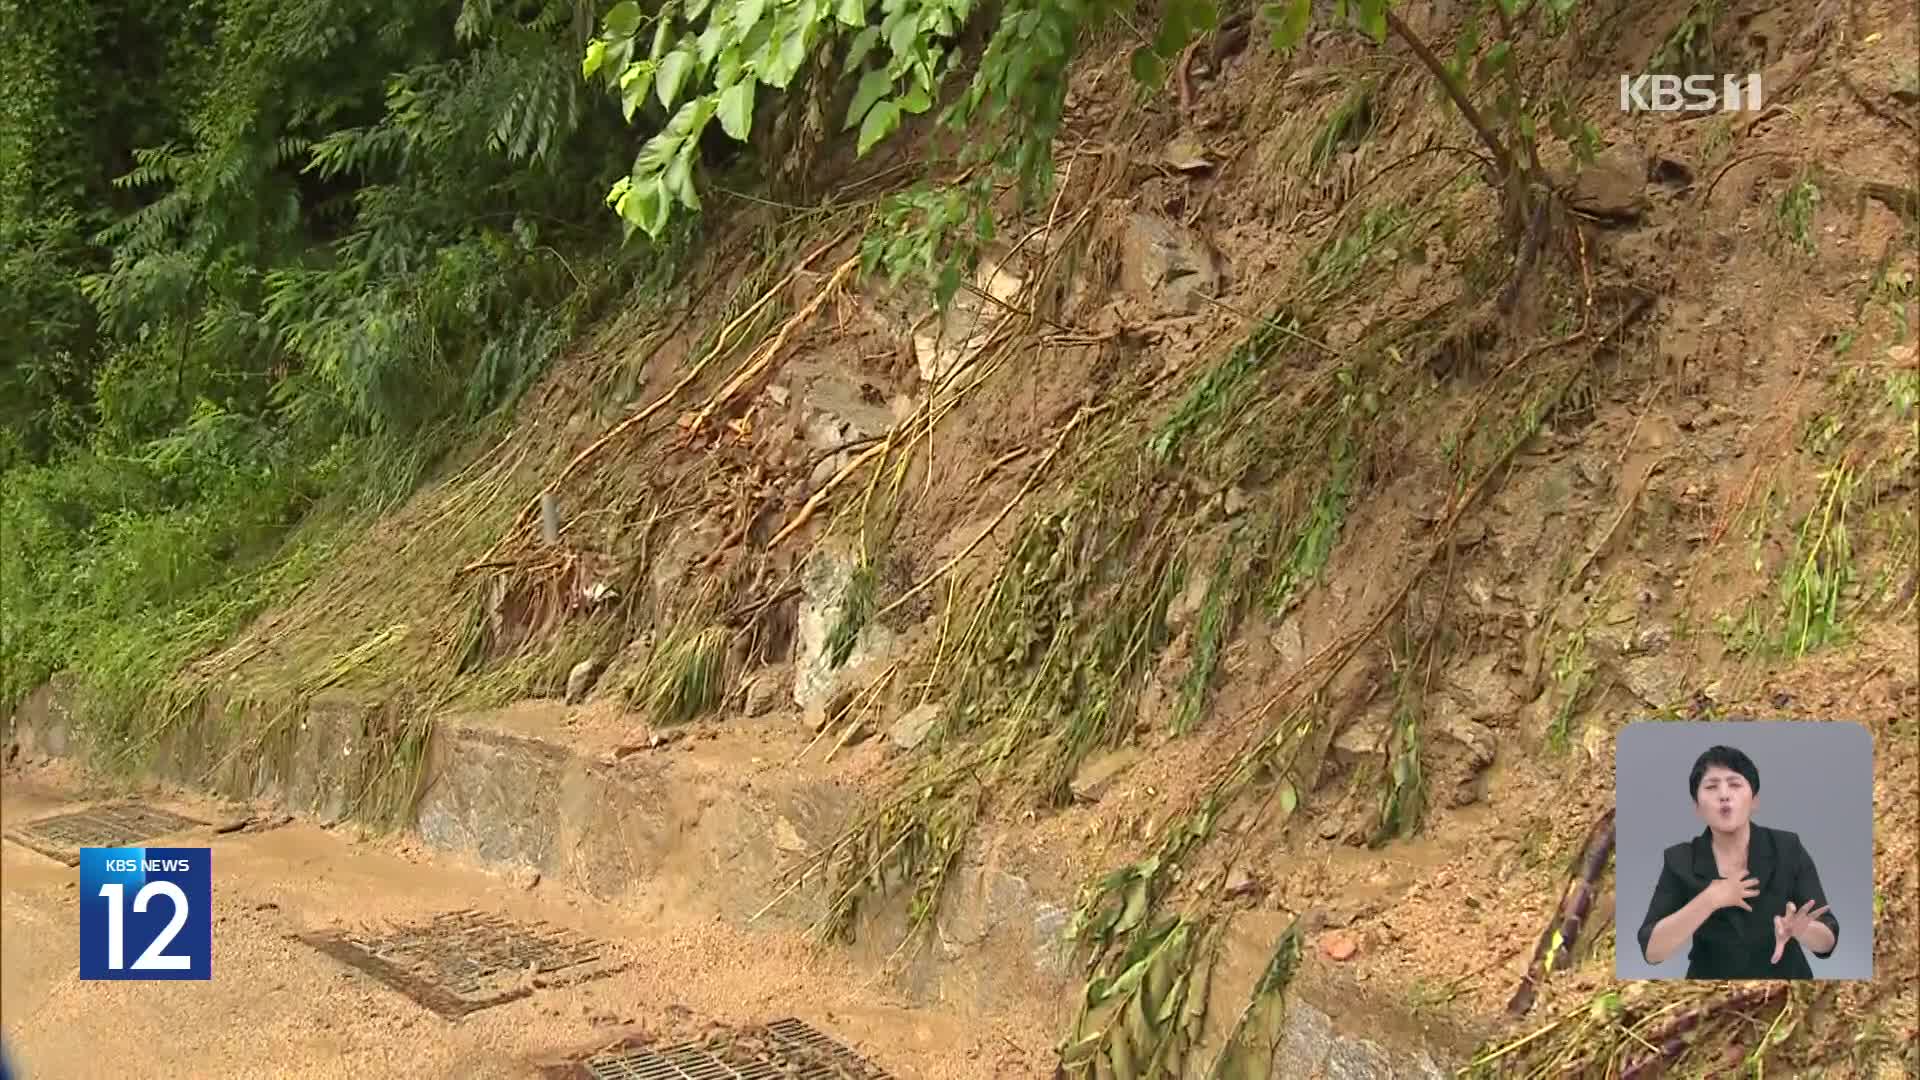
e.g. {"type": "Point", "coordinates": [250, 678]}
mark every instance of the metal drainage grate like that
{"type": "Point", "coordinates": [125, 824]}
{"type": "Point", "coordinates": [783, 1050]}
{"type": "Point", "coordinates": [464, 961]}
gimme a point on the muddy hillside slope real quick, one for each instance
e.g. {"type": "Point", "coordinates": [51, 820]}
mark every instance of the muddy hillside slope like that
{"type": "Point", "coordinates": [1265, 548]}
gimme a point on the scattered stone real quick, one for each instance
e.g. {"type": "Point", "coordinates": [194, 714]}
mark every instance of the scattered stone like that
{"type": "Point", "coordinates": [1611, 188]}
{"type": "Point", "coordinates": [1185, 154]}
{"type": "Point", "coordinates": [1052, 942]}
{"type": "Point", "coordinates": [763, 691]}
{"type": "Point", "coordinates": [1188, 603]}
{"type": "Point", "coordinates": [787, 838]}
{"type": "Point", "coordinates": [1289, 642]}
{"type": "Point", "coordinates": [1240, 883]}
{"type": "Point", "coordinates": [1339, 946]}
{"type": "Point", "coordinates": [778, 395]}
{"type": "Point", "coordinates": [1098, 774]}
{"type": "Point", "coordinates": [825, 580]}
{"type": "Point", "coordinates": [1476, 737]}
{"type": "Point", "coordinates": [911, 730]}
{"type": "Point", "coordinates": [1165, 266]}
{"type": "Point", "coordinates": [524, 878]}
{"type": "Point", "coordinates": [1598, 743]}
{"type": "Point", "coordinates": [1656, 680]}
{"type": "Point", "coordinates": [1364, 738]}
{"type": "Point", "coordinates": [232, 825]}
{"type": "Point", "coordinates": [1670, 173]}
{"type": "Point", "coordinates": [950, 344]}
{"type": "Point", "coordinates": [1234, 501]}
{"type": "Point", "coordinates": [580, 680]}
{"type": "Point", "coordinates": [1653, 639]}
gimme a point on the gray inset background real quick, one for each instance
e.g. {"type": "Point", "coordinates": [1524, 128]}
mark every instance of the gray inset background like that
{"type": "Point", "coordinates": [1816, 779]}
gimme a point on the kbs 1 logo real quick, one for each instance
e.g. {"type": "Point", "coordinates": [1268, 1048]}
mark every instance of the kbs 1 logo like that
{"type": "Point", "coordinates": [146, 913]}
{"type": "Point", "coordinates": [1691, 93]}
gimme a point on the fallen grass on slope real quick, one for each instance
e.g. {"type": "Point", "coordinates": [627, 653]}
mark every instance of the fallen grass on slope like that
{"type": "Point", "coordinates": [1050, 665]}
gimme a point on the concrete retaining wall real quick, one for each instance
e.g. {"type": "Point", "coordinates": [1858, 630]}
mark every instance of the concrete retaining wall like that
{"type": "Point", "coordinates": [680, 829]}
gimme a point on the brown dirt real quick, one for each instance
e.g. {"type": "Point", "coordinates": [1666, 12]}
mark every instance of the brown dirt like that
{"type": "Point", "coordinates": [1667, 476]}
{"type": "Point", "coordinates": [307, 1016]}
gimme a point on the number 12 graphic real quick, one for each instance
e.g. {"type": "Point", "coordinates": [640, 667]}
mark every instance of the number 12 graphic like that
{"type": "Point", "coordinates": [153, 903]}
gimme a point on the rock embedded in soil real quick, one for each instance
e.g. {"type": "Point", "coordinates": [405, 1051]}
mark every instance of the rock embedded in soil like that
{"type": "Point", "coordinates": [1612, 187]}
{"type": "Point", "coordinates": [825, 582]}
{"type": "Point", "coordinates": [1097, 775]}
{"type": "Point", "coordinates": [580, 680]}
{"type": "Point", "coordinates": [1339, 945]}
{"type": "Point", "coordinates": [1166, 267]}
{"type": "Point", "coordinates": [911, 730]}
{"type": "Point", "coordinates": [763, 691]}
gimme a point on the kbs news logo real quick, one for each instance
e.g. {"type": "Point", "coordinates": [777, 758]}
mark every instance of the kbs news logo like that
{"type": "Point", "coordinates": [1691, 93]}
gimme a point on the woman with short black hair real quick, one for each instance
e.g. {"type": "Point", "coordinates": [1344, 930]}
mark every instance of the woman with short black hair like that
{"type": "Point", "coordinates": [1746, 895]}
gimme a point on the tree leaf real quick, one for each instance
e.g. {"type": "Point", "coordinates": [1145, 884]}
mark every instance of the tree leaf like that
{"type": "Point", "coordinates": [623, 19]}
{"type": "Point", "coordinates": [641, 203]}
{"type": "Point", "coordinates": [736, 109]}
{"type": "Point", "coordinates": [634, 84]}
{"type": "Point", "coordinates": [1146, 65]}
{"type": "Point", "coordinates": [727, 68]}
{"type": "Point", "coordinates": [1290, 20]}
{"type": "Point", "coordinates": [596, 55]}
{"type": "Point", "coordinates": [881, 121]}
{"type": "Point", "coordinates": [902, 36]}
{"type": "Point", "coordinates": [1289, 798]}
{"type": "Point", "coordinates": [863, 43]}
{"type": "Point", "coordinates": [915, 101]}
{"type": "Point", "coordinates": [662, 37]}
{"type": "Point", "coordinates": [674, 68]}
{"type": "Point", "coordinates": [680, 176]}
{"type": "Point", "coordinates": [748, 12]}
{"type": "Point", "coordinates": [717, 36]}
{"type": "Point", "coordinates": [1497, 58]}
{"type": "Point", "coordinates": [792, 54]}
{"type": "Point", "coordinates": [851, 12]}
{"type": "Point", "coordinates": [874, 85]}
{"type": "Point", "coordinates": [1372, 18]}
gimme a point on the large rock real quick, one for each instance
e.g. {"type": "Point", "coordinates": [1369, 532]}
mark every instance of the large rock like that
{"type": "Point", "coordinates": [911, 730]}
{"type": "Point", "coordinates": [951, 343]}
{"type": "Point", "coordinates": [835, 412]}
{"type": "Point", "coordinates": [823, 599]}
{"type": "Point", "coordinates": [1166, 267]}
{"type": "Point", "coordinates": [1310, 1047]}
{"type": "Point", "coordinates": [1612, 187]}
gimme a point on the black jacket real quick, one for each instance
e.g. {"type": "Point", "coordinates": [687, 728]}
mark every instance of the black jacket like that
{"type": "Point", "coordinates": [1734, 943]}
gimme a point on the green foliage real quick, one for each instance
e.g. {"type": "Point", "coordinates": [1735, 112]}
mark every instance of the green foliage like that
{"type": "Point", "coordinates": [676, 67]}
{"type": "Point", "coordinates": [1689, 50]}
{"type": "Point", "coordinates": [920, 235]}
{"type": "Point", "coordinates": [321, 245]}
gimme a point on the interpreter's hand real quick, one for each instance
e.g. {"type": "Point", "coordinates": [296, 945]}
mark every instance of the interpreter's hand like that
{"type": "Point", "coordinates": [1788, 926]}
{"type": "Point", "coordinates": [1732, 892]}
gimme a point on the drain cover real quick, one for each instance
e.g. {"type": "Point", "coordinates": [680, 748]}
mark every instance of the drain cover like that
{"type": "Point", "coordinates": [465, 961]}
{"type": "Point", "coordinates": [782, 1050]}
{"type": "Point", "coordinates": [124, 824]}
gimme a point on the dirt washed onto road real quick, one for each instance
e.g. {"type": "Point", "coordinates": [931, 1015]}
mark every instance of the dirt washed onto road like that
{"type": "Point", "coordinates": [277, 1007]}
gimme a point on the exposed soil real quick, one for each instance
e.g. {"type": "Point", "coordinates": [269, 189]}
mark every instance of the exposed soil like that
{"type": "Point", "coordinates": [307, 1016]}
{"type": "Point", "coordinates": [1659, 510]}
